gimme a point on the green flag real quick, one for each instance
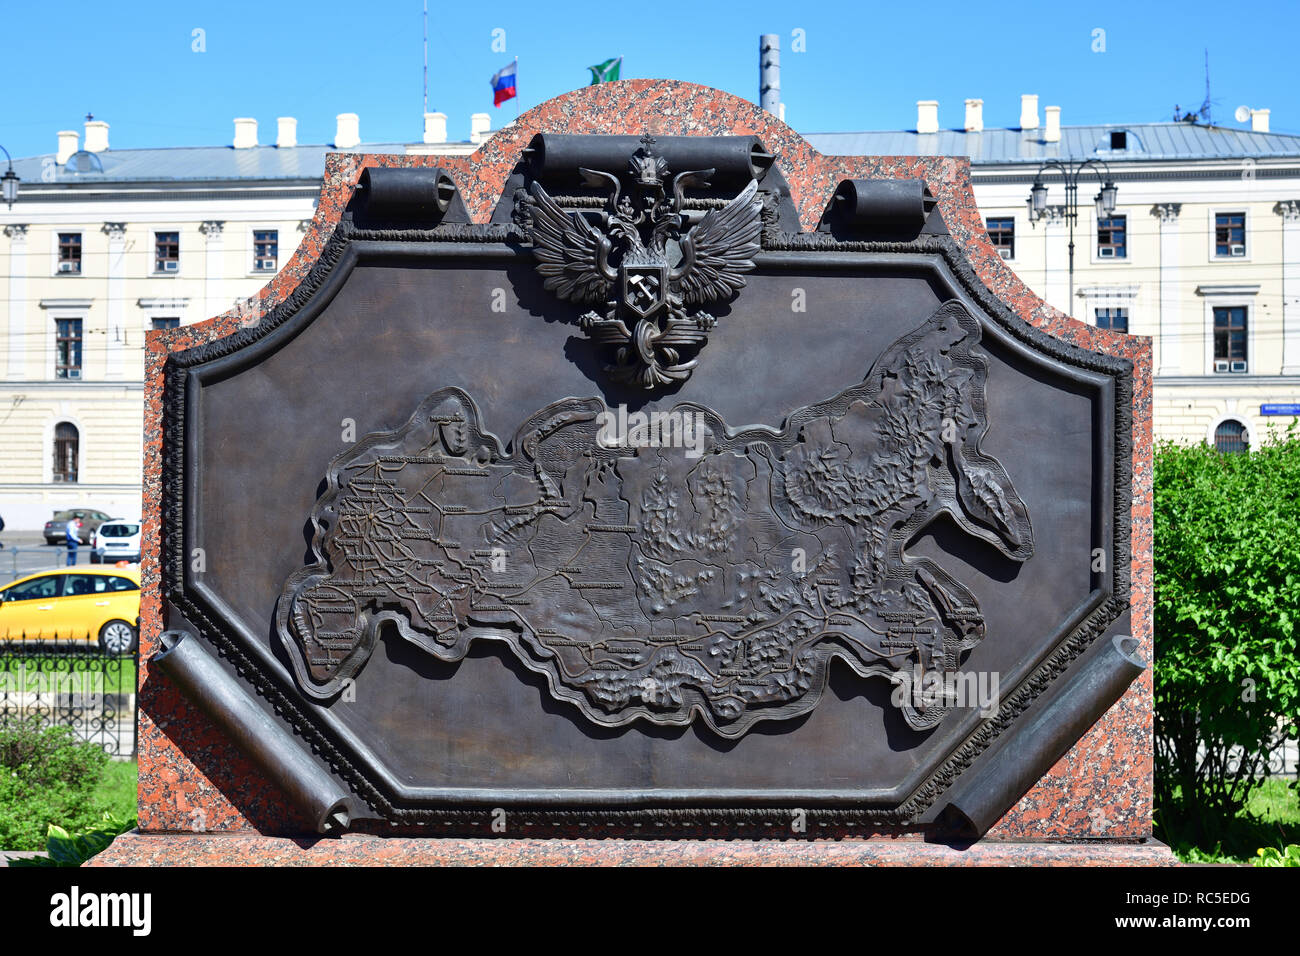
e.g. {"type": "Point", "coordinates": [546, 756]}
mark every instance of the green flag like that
{"type": "Point", "coordinates": [606, 72]}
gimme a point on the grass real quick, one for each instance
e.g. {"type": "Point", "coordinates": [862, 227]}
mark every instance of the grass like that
{"type": "Point", "coordinates": [73, 673]}
{"type": "Point", "coordinates": [117, 789]}
{"type": "Point", "coordinates": [1279, 805]}
{"type": "Point", "coordinates": [1271, 818]}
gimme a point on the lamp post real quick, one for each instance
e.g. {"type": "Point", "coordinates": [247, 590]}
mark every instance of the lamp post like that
{"type": "Point", "coordinates": [1070, 173]}
{"type": "Point", "coordinates": [9, 181]}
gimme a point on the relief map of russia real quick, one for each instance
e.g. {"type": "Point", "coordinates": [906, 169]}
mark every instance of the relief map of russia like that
{"type": "Point", "coordinates": [666, 583]}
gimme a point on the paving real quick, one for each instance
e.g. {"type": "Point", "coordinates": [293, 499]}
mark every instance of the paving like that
{"type": "Point", "coordinates": [25, 552]}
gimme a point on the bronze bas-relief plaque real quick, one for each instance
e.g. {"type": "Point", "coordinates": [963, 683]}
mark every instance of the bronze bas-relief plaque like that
{"type": "Point", "coordinates": [664, 566]}
{"type": "Point", "coordinates": [645, 564]}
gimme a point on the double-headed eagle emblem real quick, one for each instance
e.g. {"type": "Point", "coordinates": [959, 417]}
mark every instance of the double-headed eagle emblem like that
{"type": "Point", "coordinates": [646, 264]}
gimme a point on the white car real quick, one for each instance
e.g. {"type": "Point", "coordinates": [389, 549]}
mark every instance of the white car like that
{"type": "Point", "coordinates": [117, 539]}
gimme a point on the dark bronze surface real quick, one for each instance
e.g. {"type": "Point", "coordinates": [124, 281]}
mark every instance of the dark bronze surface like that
{"type": "Point", "coordinates": [231, 707]}
{"type": "Point", "coordinates": [404, 591]}
{"type": "Point", "coordinates": [667, 566]}
{"type": "Point", "coordinates": [645, 263]}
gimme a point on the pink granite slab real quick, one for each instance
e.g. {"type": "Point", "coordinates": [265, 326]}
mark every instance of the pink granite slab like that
{"type": "Point", "coordinates": [243, 849]}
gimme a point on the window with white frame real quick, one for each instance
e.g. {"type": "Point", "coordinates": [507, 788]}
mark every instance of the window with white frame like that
{"type": "Point", "coordinates": [1114, 318]}
{"type": "Point", "coordinates": [266, 249]}
{"type": "Point", "coordinates": [1229, 235]}
{"type": "Point", "coordinates": [1112, 238]}
{"type": "Point", "coordinates": [1230, 320]}
{"type": "Point", "coordinates": [1109, 306]}
{"type": "Point", "coordinates": [69, 262]}
{"type": "Point", "coordinates": [67, 348]}
{"type": "Point", "coordinates": [1002, 233]}
{"type": "Point", "coordinates": [1230, 340]}
{"type": "Point", "coordinates": [167, 252]}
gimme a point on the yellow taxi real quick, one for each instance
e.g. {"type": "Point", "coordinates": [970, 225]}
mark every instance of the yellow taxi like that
{"type": "Point", "coordinates": [97, 603]}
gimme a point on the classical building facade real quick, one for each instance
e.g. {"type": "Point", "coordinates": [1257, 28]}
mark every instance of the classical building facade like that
{"type": "Point", "coordinates": [1201, 252]}
{"type": "Point", "coordinates": [104, 245]}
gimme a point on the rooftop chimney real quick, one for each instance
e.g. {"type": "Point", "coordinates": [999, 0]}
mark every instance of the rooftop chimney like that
{"type": "Point", "coordinates": [1259, 121]}
{"type": "Point", "coordinates": [245, 132]}
{"type": "Point", "coordinates": [67, 145]}
{"type": "Point", "coordinates": [927, 116]}
{"type": "Point", "coordinates": [286, 132]}
{"type": "Point", "coordinates": [769, 72]}
{"type": "Point", "coordinates": [974, 116]}
{"type": "Point", "coordinates": [1029, 111]}
{"type": "Point", "coordinates": [435, 127]}
{"type": "Point", "coordinates": [348, 133]}
{"type": "Point", "coordinates": [96, 136]}
{"type": "Point", "coordinates": [480, 127]}
{"type": "Point", "coordinates": [1052, 134]}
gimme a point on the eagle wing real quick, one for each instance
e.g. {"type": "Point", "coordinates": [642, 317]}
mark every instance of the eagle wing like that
{"type": "Point", "coordinates": [717, 252]}
{"type": "Point", "coordinates": [572, 256]}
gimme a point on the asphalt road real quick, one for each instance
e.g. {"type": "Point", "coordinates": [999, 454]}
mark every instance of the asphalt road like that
{"type": "Point", "coordinates": [25, 552]}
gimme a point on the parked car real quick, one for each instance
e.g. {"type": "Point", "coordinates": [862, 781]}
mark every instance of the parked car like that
{"type": "Point", "coordinates": [87, 522]}
{"type": "Point", "coordinates": [96, 604]}
{"type": "Point", "coordinates": [117, 539]}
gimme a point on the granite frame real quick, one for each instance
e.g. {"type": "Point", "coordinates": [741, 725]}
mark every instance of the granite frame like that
{"type": "Point", "coordinates": [968, 255]}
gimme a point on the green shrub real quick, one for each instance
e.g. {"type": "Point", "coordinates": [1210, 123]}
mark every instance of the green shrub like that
{"type": "Point", "coordinates": [1227, 595]}
{"type": "Point", "coordinates": [74, 849]}
{"type": "Point", "coordinates": [1272, 856]}
{"type": "Point", "coordinates": [47, 777]}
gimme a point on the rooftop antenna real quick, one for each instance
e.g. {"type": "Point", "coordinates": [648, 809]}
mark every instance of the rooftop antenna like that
{"type": "Point", "coordinates": [1205, 107]}
{"type": "Point", "coordinates": [1203, 114]}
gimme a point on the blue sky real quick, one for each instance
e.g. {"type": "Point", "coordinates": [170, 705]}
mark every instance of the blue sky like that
{"type": "Point", "coordinates": [864, 65]}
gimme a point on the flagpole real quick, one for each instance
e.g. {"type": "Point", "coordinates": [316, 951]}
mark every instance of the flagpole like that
{"type": "Point", "coordinates": [426, 57]}
{"type": "Point", "coordinates": [516, 89]}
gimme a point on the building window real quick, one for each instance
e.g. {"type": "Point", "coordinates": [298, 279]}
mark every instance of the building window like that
{"type": "Point", "coordinates": [70, 253]}
{"type": "Point", "coordinates": [266, 245]}
{"type": "Point", "coordinates": [1230, 437]}
{"type": "Point", "coordinates": [67, 447]}
{"type": "Point", "coordinates": [1230, 234]}
{"type": "Point", "coordinates": [67, 348]}
{"type": "Point", "coordinates": [166, 251]}
{"type": "Point", "coordinates": [1111, 237]}
{"type": "Point", "coordinates": [1003, 234]}
{"type": "Point", "coordinates": [1114, 319]}
{"type": "Point", "coordinates": [1230, 338]}
{"type": "Point", "coordinates": [168, 322]}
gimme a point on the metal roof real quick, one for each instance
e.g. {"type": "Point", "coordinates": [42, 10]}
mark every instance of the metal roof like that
{"type": "Point", "coordinates": [197, 163]}
{"type": "Point", "coordinates": [1146, 141]}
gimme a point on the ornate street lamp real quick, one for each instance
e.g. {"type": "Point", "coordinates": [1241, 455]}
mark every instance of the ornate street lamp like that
{"type": "Point", "coordinates": [1070, 172]}
{"type": "Point", "coordinates": [9, 181]}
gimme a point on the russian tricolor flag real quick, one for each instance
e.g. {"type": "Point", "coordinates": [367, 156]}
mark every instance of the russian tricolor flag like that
{"type": "Point", "coordinates": [503, 83]}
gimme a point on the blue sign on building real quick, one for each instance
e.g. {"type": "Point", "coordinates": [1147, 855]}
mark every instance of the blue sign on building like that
{"type": "Point", "coordinates": [1279, 409]}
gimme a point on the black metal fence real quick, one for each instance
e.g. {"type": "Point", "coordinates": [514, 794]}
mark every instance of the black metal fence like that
{"type": "Point", "coordinates": [71, 682]}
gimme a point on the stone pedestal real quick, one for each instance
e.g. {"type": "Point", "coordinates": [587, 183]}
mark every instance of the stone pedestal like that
{"type": "Point", "coordinates": [242, 849]}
